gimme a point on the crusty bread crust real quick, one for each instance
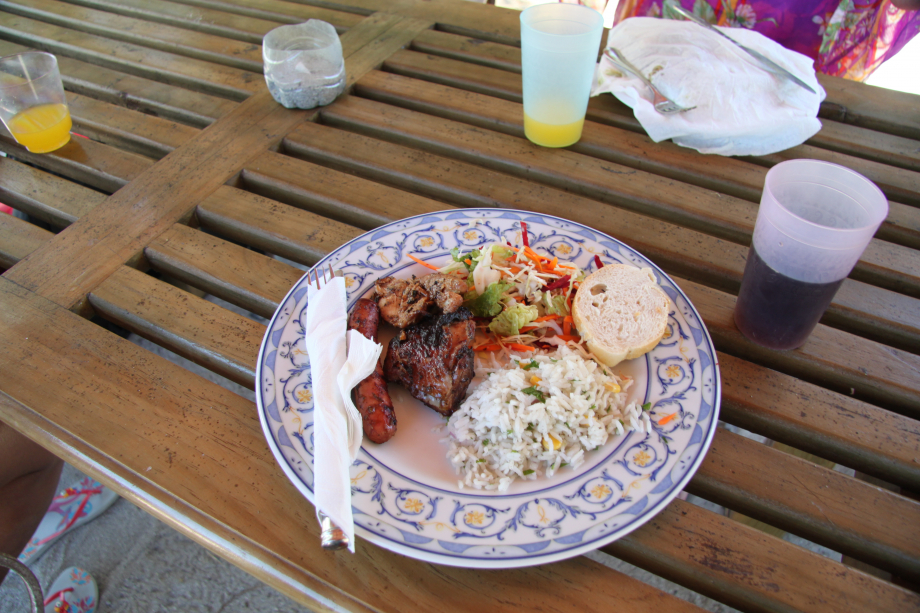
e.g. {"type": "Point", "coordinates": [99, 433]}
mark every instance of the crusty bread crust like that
{"type": "Point", "coordinates": [620, 312]}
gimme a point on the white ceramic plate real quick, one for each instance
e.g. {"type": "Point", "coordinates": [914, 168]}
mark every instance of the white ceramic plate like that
{"type": "Point", "coordinates": [405, 493]}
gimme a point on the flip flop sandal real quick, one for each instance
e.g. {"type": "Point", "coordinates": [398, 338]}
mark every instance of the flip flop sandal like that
{"type": "Point", "coordinates": [70, 509]}
{"type": "Point", "coordinates": [74, 591]}
{"type": "Point", "coordinates": [32, 584]}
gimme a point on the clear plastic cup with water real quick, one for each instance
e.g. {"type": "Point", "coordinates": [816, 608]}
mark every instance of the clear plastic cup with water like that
{"type": "Point", "coordinates": [303, 64]}
{"type": "Point", "coordinates": [815, 221]}
{"type": "Point", "coordinates": [559, 49]}
{"type": "Point", "coordinates": [32, 103]}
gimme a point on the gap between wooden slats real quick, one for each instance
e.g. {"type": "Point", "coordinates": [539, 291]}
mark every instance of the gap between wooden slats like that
{"type": "Point", "coordinates": [763, 401]}
{"type": "Point", "coordinates": [192, 431]}
{"type": "Point", "coordinates": [885, 264]}
{"type": "Point", "coordinates": [169, 68]}
{"type": "Point", "coordinates": [728, 475]}
{"type": "Point", "coordinates": [171, 39]}
{"type": "Point", "coordinates": [731, 176]}
{"type": "Point", "coordinates": [246, 28]}
{"type": "Point", "coordinates": [501, 84]}
{"type": "Point", "coordinates": [135, 93]}
{"type": "Point", "coordinates": [883, 111]}
{"type": "Point", "coordinates": [873, 311]}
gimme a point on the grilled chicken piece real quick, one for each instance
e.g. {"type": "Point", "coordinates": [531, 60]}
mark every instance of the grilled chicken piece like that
{"type": "Point", "coordinates": [434, 360]}
{"type": "Point", "coordinates": [403, 302]}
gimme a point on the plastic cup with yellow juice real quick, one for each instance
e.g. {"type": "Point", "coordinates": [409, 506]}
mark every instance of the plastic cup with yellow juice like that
{"type": "Point", "coordinates": [559, 48]}
{"type": "Point", "coordinates": [32, 103]}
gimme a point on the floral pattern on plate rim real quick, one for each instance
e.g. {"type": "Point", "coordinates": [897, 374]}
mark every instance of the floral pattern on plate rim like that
{"type": "Point", "coordinates": [629, 480]}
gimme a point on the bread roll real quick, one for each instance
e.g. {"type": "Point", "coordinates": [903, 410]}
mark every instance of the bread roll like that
{"type": "Point", "coordinates": [620, 312]}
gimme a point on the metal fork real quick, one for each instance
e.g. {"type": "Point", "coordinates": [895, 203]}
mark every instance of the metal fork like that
{"type": "Point", "coordinates": [662, 103]}
{"type": "Point", "coordinates": [332, 537]}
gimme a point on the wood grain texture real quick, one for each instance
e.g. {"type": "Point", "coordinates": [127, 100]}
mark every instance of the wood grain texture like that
{"type": "Point", "coordinates": [163, 429]}
{"type": "Point", "coordinates": [284, 12]}
{"type": "Point", "coordinates": [828, 424]}
{"type": "Point", "coordinates": [18, 239]}
{"type": "Point", "coordinates": [891, 266]}
{"type": "Point", "coordinates": [749, 569]}
{"type": "Point", "coordinates": [824, 506]}
{"type": "Point", "coordinates": [199, 75]}
{"type": "Point", "coordinates": [45, 196]}
{"type": "Point", "coordinates": [832, 358]}
{"type": "Point", "coordinates": [618, 144]}
{"type": "Point", "coordinates": [209, 47]}
{"type": "Point", "coordinates": [875, 108]}
{"type": "Point", "coordinates": [237, 27]}
{"type": "Point", "coordinates": [238, 275]}
{"type": "Point", "coordinates": [877, 313]}
{"type": "Point", "coordinates": [115, 232]}
{"type": "Point", "coordinates": [268, 225]}
{"type": "Point", "coordinates": [211, 336]}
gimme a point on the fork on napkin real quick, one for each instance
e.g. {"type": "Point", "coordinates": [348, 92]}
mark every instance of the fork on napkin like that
{"type": "Point", "coordinates": [338, 362]}
{"type": "Point", "coordinates": [741, 109]}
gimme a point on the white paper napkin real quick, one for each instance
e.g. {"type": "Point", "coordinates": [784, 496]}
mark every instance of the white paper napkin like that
{"type": "Point", "coordinates": [335, 369]}
{"type": "Point", "coordinates": [740, 108]}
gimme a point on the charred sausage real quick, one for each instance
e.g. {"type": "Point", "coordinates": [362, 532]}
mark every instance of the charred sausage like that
{"type": "Point", "coordinates": [371, 395]}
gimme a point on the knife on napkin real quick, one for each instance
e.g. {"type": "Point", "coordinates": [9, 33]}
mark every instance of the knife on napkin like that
{"type": "Point", "coordinates": [338, 362]}
{"type": "Point", "coordinates": [765, 62]}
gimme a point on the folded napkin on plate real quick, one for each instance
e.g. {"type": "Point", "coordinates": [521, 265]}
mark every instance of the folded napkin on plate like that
{"type": "Point", "coordinates": [336, 366]}
{"type": "Point", "coordinates": [740, 108]}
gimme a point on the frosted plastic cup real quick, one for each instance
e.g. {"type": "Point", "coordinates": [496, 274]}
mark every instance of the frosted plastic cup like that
{"type": "Point", "coordinates": [815, 221]}
{"type": "Point", "coordinates": [32, 103]}
{"type": "Point", "coordinates": [559, 47]}
{"type": "Point", "coordinates": [303, 64]}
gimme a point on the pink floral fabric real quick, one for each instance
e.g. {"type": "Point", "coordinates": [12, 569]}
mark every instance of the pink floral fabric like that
{"type": "Point", "coordinates": [846, 38]}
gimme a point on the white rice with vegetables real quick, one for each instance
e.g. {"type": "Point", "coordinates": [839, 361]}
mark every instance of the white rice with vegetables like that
{"type": "Point", "coordinates": [537, 415]}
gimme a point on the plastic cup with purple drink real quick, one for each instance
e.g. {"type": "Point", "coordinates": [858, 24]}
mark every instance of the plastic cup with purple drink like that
{"type": "Point", "coordinates": [814, 223]}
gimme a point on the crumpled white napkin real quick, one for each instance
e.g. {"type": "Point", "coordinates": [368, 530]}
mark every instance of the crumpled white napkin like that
{"type": "Point", "coordinates": [336, 366]}
{"type": "Point", "coordinates": [740, 108]}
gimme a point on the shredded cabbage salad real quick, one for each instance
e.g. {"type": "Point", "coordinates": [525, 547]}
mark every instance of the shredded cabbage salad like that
{"type": "Point", "coordinates": [521, 299]}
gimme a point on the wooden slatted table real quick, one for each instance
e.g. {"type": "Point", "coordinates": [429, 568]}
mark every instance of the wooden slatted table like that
{"type": "Point", "coordinates": [187, 170]}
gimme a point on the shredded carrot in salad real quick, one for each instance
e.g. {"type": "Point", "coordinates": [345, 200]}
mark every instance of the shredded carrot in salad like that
{"type": "Point", "coordinates": [522, 299]}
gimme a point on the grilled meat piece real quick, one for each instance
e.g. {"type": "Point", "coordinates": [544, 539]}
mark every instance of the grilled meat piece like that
{"type": "Point", "coordinates": [403, 302]}
{"type": "Point", "coordinates": [371, 395]}
{"type": "Point", "coordinates": [446, 290]}
{"type": "Point", "coordinates": [434, 359]}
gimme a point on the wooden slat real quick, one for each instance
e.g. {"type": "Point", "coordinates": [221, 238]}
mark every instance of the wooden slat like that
{"type": "Point", "coordinates": [616, 144]}
{"type": "Point", "coordinates": [98, 165]}
{"type": "Point", "coordinates": [238, 275]}
{"type": "Point", "coordinates": [875, 108]}
{"type": "Point", "coordinates": [353, 200]}
{"type": "Point", "coordinates": [169, 453]}
{"type": "Point", "coordinates": [832, 358]}
{"type": "Point", "coordinates": [126, 129]}
{"type": "Point", "coordinates": [877, 146]}
{"type": "Point", "coordinates": [884, 264]}
{"type": "Point", "coordinates": [468, 49]}
{"type": "Point", "coordinates": [243, 28]}
{"type": "Point", "coordinates": [228, 52]}
{"type": "Point", "coordinates": [150, 97]}
{"type": "Point", "coordinates": [43, 195]}
{"type": "Point", "coordinates": [881, 314]}
{"type": "Point", "coordinates": [898, 185]}
{"type": "Point", "coordinates": [828, 424]}
{"type": "Point", "coordinates": [751, 570]}
{"type": "Point", "coordinates": [18, 239]}
{"type": "Point", "coordinates": [199, 75]}
{"type": "Point", "coordinates": [211, 336]}
{"type": "Point", "coordinates": [265, 224]}
{"type": "Point", "coordinates": [824, 506]}
{"type": "Point", "coordinates": [286, 12]}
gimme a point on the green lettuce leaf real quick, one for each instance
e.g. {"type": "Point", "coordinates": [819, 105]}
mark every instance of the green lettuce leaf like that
{"type": "Point", "coordinates": [489, 303]}
{"type": "Point", "coordinates": [555, 304]}
{"type": "Point", "coordinates": [511, 320]}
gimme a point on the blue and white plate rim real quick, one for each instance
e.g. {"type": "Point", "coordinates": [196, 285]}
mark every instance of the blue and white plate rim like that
{"type": "Point", "coordinates": [525, 560]}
